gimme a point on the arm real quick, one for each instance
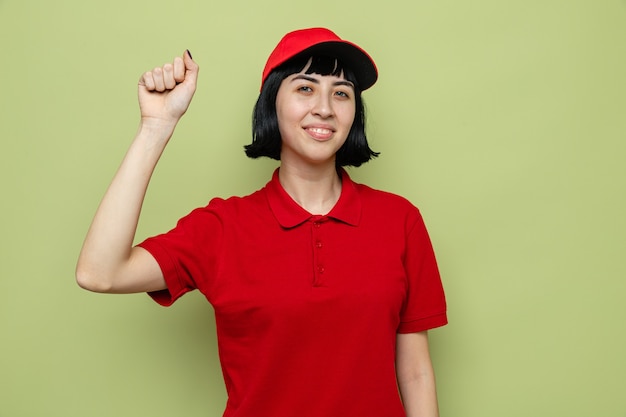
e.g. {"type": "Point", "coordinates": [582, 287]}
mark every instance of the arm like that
{"type": "Point", "coordinates": [108, 262]}
{"type": "Point", "coordinates": [416, 378]}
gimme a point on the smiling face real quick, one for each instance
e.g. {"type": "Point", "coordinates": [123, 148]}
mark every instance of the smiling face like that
{"type": "Point", "coordinates": [315, 114]}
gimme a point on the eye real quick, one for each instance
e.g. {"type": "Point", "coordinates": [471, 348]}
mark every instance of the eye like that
{"type": "Point", "coordinates": [342, 94]}
{"type": "Point", "coordinates": [305, 89]}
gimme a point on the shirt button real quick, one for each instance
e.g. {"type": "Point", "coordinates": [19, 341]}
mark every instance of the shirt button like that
{"type": "Point", "coordinates": [318, 244]}
{"type": "Point", "coordinates": [317, 225]}
{"type": "Point", "coordinates": [320, 269]}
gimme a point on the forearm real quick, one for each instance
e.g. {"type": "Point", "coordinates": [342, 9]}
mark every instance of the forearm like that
{"type": "Point", "coordinates": [107, 246]}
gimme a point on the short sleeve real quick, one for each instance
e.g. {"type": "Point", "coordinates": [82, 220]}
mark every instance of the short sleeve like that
{"type": "Point", "coordinates": [425, 305]}
{"type": "Point", "coordinates": [189, 254]}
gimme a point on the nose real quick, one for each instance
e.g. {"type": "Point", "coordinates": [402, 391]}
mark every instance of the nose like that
{"type": "Point", "coordinates": [323, 106]}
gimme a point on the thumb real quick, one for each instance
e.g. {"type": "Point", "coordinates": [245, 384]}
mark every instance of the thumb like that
{"type": "Point", "coordinates": [191, 68]}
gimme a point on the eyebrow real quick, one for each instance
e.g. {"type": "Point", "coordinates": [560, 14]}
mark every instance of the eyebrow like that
{"type": "Point", "coordinates": [316, 81]}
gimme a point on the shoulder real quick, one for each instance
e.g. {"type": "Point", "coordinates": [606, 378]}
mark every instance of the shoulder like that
{"type": "Point", "coordinates": [225, 207]}
{"type": "Point", "coordinates": [388, 207]}
{"type": "Point", "coordinates": [384, 199]}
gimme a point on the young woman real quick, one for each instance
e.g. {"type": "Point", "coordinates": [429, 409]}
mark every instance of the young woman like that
{"type": "Point", "coordinates": [323, 289]}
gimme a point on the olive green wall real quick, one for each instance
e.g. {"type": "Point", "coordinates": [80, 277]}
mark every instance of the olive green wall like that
{"type": "Point", "coordinates": [504, 121]}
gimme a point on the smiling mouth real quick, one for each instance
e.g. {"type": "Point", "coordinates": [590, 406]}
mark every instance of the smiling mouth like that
{"type": "Point", "coordinates": [319, 132]}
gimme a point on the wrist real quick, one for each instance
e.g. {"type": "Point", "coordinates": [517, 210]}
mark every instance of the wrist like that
{"type": "Point", "coordinates": [155, 125]}
{"type": "Point", "coordinates": [158, 128]}
{"type": "Point", "coordinates": [153, 135]}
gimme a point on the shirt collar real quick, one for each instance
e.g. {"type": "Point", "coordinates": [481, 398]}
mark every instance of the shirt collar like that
{"type": "Point", "coordinates": [290, 214]}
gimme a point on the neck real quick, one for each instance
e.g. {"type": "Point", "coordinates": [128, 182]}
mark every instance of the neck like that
{"type": "Point", "coordinates": [314, 189]}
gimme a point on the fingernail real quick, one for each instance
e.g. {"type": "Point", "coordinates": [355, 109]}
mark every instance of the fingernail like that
{"type": "Point", "coordinates": [189, 53]}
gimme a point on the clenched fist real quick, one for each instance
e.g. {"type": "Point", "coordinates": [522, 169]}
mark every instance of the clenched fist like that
{"type": "Point", "coordinates": [165, 92]}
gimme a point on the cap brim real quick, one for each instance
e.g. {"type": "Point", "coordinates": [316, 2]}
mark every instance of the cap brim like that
{"type": "Point", "coordinates": [352, 56]}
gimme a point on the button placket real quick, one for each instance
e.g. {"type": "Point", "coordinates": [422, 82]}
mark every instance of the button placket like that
{"type": "Point", "coordinates": [317, 243]}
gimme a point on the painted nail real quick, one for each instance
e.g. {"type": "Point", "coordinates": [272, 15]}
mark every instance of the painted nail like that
{"type": "Point", "coordinates": [189, 53]}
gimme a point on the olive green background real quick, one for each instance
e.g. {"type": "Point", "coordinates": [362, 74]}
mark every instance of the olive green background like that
{"type": "Point", "coordinates": [504, 121]}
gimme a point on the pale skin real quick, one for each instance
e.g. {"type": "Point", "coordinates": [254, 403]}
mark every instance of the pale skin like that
{"type": "Point", "coordinates": [315, 114]}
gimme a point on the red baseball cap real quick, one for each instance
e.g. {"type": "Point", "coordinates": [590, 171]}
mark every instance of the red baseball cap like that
{"type": "Point", "coordinates": [321, 41]}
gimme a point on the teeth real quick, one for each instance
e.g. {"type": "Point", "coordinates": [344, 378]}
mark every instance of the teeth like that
{"type": "Point", "coordinates": [320, 130]}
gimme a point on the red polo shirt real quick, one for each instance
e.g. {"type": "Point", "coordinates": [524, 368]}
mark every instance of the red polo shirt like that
{"type": "Point", "coordinates": [307, 307]}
